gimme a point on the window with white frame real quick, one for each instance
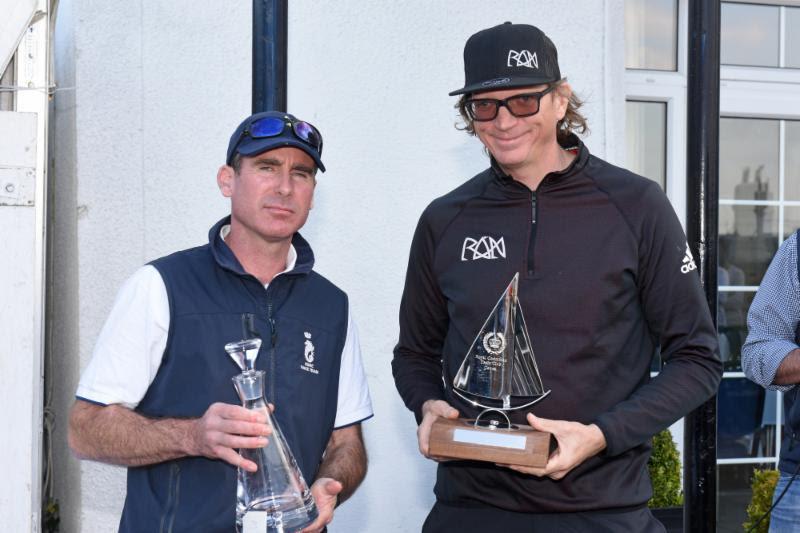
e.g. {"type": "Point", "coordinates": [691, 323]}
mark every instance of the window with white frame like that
{"type": "Point", "coordinates": [759, 202]}
{"type": "Point", "coordinates": [646, 139]}
{"type": "Point", "coordinates": [656, 94]}
{"type": "Point", "coordinates": [760, 35]}
{"type": "Point", "coordinates": [651, 36]}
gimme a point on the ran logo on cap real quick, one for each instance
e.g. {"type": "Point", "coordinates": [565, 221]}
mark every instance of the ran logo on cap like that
{"type": "Point", "coordinates": [523, 58]}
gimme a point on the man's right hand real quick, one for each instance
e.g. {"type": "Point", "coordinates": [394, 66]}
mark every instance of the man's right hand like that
{"type": "Point", "coordinates": [431, 410]}
{"type": "Point", "coordinates": [225, 427]}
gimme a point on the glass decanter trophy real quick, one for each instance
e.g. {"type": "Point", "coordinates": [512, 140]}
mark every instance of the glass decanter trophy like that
{"type": "Point", "coordinates": [499, 374]}
{"type": "Point", "coordinates": [275, 498]}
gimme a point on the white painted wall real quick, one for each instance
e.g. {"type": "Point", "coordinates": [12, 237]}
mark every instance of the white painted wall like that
{"type": "Point", "coordinates": [23, 176]}
{"type": "Point", "coordinates": [20, 321]}
{"type": "Point", "coordinates": [159, 86]}
{"type": "Point", "coordinates": [151, 93]}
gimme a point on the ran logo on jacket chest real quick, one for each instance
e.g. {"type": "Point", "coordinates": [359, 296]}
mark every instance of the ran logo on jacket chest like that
{"type": "Point", "coordinates": [485, 247]}
{"type": "Point", "coordinates": [308, 355]}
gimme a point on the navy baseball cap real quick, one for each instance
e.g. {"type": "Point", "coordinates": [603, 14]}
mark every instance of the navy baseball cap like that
{"type": "Point", "coordinates": [508, 56]}
{"type": "Point", "coordinates": [275, 129]}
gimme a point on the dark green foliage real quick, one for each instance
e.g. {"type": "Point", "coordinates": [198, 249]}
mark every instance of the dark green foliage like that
{"type": "Point", "coordinates": [665, 472]}
{"type": "Point", "coordinates": [51, 520]}
{"type": "Point", "coordinates": [763, 486]}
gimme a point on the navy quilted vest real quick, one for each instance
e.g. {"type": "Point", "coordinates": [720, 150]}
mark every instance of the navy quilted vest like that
{"type": "Point", "coordinates": [213, 302]}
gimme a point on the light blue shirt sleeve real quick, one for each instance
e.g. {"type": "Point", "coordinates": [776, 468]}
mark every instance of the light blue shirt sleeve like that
{"type": "Point", "coordinates": [773, 318]}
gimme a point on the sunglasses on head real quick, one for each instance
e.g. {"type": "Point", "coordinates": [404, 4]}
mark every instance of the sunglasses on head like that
{"type": "Point", "coordinates": [519, 105]}
{"type": "Point", "coordinates": [275, 126]}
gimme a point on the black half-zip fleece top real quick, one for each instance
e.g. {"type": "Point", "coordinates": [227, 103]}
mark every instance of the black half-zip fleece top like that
{"type": "Point", "coordinates": [606, 278]}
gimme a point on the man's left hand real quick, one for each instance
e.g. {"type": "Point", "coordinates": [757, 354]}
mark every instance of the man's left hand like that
{"type": "Point", "coordinates": [576, 443]}
{"type": "Point", "coordinates": [325, 492]}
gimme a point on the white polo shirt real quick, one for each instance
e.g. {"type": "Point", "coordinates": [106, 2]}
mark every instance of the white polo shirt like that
{"type": "Point", "coordinates": [130, 347]}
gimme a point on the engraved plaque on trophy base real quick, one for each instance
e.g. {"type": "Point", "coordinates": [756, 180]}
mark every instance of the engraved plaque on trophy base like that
{"type": "Point", "coordinates": [461, 439]}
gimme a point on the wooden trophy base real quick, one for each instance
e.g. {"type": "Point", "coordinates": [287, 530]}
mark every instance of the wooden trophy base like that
{"type": "Point", "coordinates": [461, 439]}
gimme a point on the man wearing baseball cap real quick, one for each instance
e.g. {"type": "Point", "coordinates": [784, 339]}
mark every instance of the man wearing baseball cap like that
{"type": "Point", "coordinates": [157, 395]}
{"type": "Point", "coordinates": [606, 280]}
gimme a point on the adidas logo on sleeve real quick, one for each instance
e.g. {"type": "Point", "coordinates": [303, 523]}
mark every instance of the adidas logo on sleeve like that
{"type": "Point", "coordinates": [688, 261]}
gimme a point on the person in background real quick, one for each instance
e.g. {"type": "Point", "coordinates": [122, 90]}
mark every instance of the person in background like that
{"type": "Point", "coordinates": [771, 358]}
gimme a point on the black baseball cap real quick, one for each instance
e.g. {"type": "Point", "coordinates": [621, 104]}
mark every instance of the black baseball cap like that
{"type": "Point", "coordinates": [275, 129]}
{"type": "Point", "coordinates": [507, 56]}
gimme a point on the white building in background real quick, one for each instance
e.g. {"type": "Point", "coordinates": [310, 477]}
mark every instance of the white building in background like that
{"type": "Point", "coordinates": [148, 93]}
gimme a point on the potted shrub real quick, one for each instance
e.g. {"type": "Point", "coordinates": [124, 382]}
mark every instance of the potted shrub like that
{"type": "Point", "coordinates": [763, 486]}
{"type": "Point", "coordinates": [665, 474]}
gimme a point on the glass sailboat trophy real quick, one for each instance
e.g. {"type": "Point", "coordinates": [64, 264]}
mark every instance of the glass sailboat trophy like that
{"type": "Point", "coordinates": [498, 374]}
{"type": "Point", "coordinates": [275, 498]}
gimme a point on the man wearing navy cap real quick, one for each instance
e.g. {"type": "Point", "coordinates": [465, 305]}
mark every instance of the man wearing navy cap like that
{"type": "Point", "coordinates": [157, 396]}
{"type": "Point", "coordinates": [605, 280]}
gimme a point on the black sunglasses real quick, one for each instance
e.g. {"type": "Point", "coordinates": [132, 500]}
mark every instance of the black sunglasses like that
{"type": "Point", "coordinates": [519, 105]}
{"type": "Point", "coordinates": [274, 126]}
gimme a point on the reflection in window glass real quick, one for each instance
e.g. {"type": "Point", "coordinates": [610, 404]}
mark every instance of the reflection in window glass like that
{"type": "Point", "coordinates": [791, 188]}
{"type": "Point", "coordinates": [750, 35]}
{"type": "Point", "coordinates": [745, 420]}
{"type": "Point", "coordinates": [735, 493]}
{"type": "Point", "coordinates": [651, 34]}
{"type": "Point", "coordinates": [748, 159]}
{"type": "Point", "coordinates": [791, 221]}
{"type": "Point", "coordinates": [732, 307]}
{"type": "Point", "coordinates": [792, 54]}
{"type": "Point", "coordinates": [646, 139]}
{"type": "Point", "coordinates": [748, 238]}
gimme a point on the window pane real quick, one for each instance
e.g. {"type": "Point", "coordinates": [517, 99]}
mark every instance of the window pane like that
{"type": "Point", "coordinates": [748, 159]}
{"type": "Point", "coordinates": [746, 420]}
{"type": "Point", "coordinates": [735, 493]}
{"type": "Point", "coordinates": [792, 57]}
{"type": "Point", "coordinates": [646, 139]}
{"type": "Point", "coordinates": [651, 34]}
{"type": "Point", "coordinates": [748, 238]}
{"type": "Point", "coordinates": [732, 307]}
{"type": "Point", "coordinates": [791, 221]}
{"type": "Point", "coordinates": [791, 188]}
{"type": "Point", "coordinates": [750, 35]}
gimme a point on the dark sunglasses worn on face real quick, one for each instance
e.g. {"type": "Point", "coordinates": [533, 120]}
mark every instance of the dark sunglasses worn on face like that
{"type": "Point", "coordinates": [274, 126]}
{"type": "Point", "coordinates": [519, 105]}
